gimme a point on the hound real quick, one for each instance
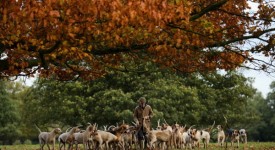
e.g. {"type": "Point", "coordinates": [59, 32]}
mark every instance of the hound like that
{"type": "Point", "coordinates": [187, 139]}
{"type": "Point", "coordinates": [67, 137]}
{"type": "Point", "coordinates": [178, 135]}
{"type": "Point", "coordinates": [221, 135]}
{"type": "Point", "coordinates": [231, 134]}
{"type": "Point", "coordinates": [164, 136]}
{"type": "Point", "coordinates": [201, 135]}
{"type": "Point", "coordinates": [243, 136]}
{"type": "Point", "coordinates": [115, 137]}
{"type": "Point", "coordinates": [101, 137]}
{"type": "Point", "coordinates": [235, 137]}
{"type": "Point", "coordinates": [129, 138]}
{"type": "Point", "coordinates": [47, 137]}
{"type": "Point", "coordinates": [83, 137]}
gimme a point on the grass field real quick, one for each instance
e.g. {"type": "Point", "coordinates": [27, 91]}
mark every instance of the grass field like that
{"type": "Point", "coordinates": [212, 146]}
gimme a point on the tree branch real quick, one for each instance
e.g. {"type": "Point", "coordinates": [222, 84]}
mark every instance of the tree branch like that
{"type": "Point", "coordinates": [207, 9]}
{"type": "Point", "coordinates": [119, 49]}
{"type": "Point", "coordinates": [244, 16]}
{"type": "Point", "coordinates": [256, 35]}
{"type": "Point", "coordinates": [48, 51]}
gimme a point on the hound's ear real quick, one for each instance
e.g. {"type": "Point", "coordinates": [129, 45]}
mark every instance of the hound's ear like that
{"type": "Point", "coordinates": [91, 128]}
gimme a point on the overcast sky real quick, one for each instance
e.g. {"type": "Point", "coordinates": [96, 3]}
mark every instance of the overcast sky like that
{"type": "Point", "coordinates": [261, 80]}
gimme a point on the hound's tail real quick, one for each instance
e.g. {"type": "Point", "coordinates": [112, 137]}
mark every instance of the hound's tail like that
{"type": "Point", "coordinates": [37, 128]}
{"type": "Point", "coordinates": [210, 130]}
{"type": "Point", "coordinates": [68, 129]}
{"type": "Point", "coordinates": [226, 123]}
{"type": "Point", "coordinates": [191, 127]}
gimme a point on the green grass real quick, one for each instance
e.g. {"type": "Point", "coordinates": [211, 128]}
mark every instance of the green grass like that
{"type": "Point", "coordinates": [212, 146]}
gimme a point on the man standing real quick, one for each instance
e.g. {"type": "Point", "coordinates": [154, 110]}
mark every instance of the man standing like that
{"type": "Point", "coordinates": [142, 116]}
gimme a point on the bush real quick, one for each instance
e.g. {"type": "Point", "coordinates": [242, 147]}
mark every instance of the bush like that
{"type": "Point", "coordinates": [27, 142]}
{"type": "Point", "coordinates": [17, 142]}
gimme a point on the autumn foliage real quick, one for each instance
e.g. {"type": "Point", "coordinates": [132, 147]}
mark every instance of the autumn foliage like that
{"type": "Point", "coordinates": [71, 38]}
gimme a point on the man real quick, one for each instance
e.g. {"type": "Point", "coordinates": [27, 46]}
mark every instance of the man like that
{"type": "Point", "coordinates": [142, 116]}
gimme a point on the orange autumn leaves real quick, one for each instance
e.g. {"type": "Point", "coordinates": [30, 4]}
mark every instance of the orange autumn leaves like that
{"type": "Point", "coordinates": [71, 38]}
{"type": "Point", "coordinates": [192, 61]}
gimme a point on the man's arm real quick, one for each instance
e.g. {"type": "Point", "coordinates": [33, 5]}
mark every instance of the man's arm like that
{"type": "Point", "coordinates": [151, 114]}
{"type": "Point", "coordinates": [135, 117]}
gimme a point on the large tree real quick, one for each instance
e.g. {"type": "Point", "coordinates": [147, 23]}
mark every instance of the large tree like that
{"type": "Point", "coordinates": [71, 38]}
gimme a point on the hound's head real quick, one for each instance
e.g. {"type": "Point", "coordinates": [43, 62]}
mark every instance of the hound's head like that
{"type": "Point", "coordinates": [219, 127]}
{"type": "Point", "coordinates": [176, 126]}
{"type": "Point", "coordinates": [95, 133]}
{"type": "Point", "coordinates": [57, 130]}
{"type": "Point", "coordinates": [122, 128]}
{"type": "Point", "coordinates": [189, 130]}
{"type": "Point", "coordinates": [75, 129]}
{"type": "Point", "coordinates": [242, 131]}
{"type": "Point", "coordinates": [159, 127]}
{"type": "Point", "coordinates": [193, 133]}
{"type": "Point", "coordinates": [235, 133]}
{"type": "Point", "coordinates": [92, 128]}
{"type": "Point", "coordinates": [164, 126]}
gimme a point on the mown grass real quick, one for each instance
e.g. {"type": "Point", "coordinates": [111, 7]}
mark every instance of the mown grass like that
{"type": "Point", "coordinates": [212, 146]}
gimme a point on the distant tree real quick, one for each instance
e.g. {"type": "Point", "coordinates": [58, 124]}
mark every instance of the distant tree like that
{"type": "Point", "coordinates": [268, 118]}
{"type": "Point", "coordinates": [271, 99]}
{"type": "Point", "coordinates": [54, 102]}
{"type": "Point", "coordinates": [223, 95]}
{"type": "Point", "coordinates": [9, 116]}
{"type": "Point", "coordinates": [257, 129]}
{"type": "Point", "coordinates": [262, 112]}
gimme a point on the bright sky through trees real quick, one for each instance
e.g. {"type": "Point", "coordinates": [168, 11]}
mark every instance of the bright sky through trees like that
{"type": "Point", "coordinates": [262, 80]}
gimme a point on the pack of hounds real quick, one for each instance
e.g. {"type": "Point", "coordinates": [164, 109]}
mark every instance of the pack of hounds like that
{"type": "Point", "coordinates": [123, 137]}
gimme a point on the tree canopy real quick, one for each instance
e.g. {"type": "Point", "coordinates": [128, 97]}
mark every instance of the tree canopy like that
{"type": "Point", "coordinates": [68, 39]}
{"type": "Point", "coordinates": [108, 100]}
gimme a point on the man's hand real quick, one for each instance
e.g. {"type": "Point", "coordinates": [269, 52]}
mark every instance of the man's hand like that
{"type": "Point", "coordinates": [146, 117]}
{"type": "Point", "coordinates": [136, 121]}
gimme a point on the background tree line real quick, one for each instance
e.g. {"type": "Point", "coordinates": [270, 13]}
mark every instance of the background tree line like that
{"type": "Point", "coordinates": [192, 99]}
